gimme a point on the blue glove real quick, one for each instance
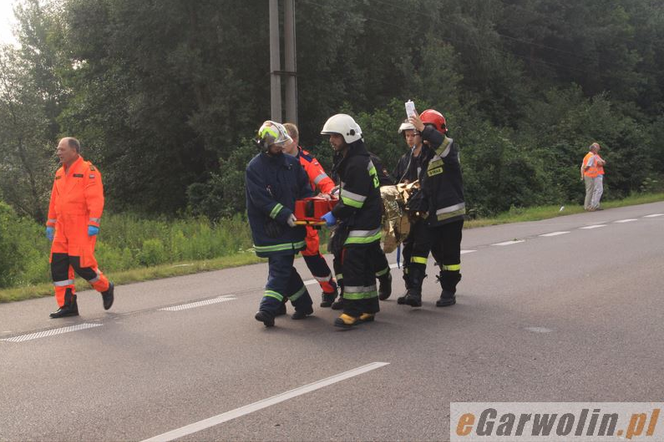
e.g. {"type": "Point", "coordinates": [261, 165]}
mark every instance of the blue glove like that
{"type": "Point", "coordinates": [330, 220]}
{"type": "Point", "coordinates": [93, 230]}
{"type": "Point", "coordinates": [50, 233]}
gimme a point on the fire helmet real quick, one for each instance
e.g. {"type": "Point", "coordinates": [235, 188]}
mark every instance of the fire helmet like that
{"type": "Point", "coordinates": [343, 125]}
{"type": "Point", "coordinates": [434, 118]}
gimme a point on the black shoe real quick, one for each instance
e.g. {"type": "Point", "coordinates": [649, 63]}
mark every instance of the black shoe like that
{"type": "Point", "coordinates": [385, 287]}
{"type": "Point", "coordinates": [338, 304]}
{"type": "Point", "coordinates": [446, 299]}
{"type": "Point", "coordinates": [282, 310]}
{"type": "Point", "coordinates": [413, 298]}
{"type": "Point", "coordinates": [69, 309]}
{"type": "Point", "coordinates": [265, 317]}
{"type": "Point", "coordinates": [401, 300]}
{"type": "Point", "coordinates": [107, 296]}
{"type": "Point", "coordinates": [328, 299]}
{"type": "Point", "coordinates": [302, 314]}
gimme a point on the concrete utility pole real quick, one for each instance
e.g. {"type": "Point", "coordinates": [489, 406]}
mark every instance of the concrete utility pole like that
{"type": "Point", "coordinates": [275, 62]}
{"type": "Point", "coordinates": [290, 62]}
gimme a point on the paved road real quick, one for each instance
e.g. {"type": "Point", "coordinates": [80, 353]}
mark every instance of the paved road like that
{"type": "Point", "coordinates": [574, 316]}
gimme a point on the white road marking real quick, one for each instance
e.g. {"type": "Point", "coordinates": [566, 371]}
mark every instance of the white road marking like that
{"type": "Point", "coordinates": [555, 233]}
{"type": "Point", "coordinates": [463, 252]}
{"type": "Point", "coordinates": [509, 243]}
{"type": "Point", "coordinates": [177, 308]}
{"type": "Point", "coordinates": [256, 406]}
{"type": "Point", "coordinates": [53, 332]}
{"type": "Point", "coordinates": [539, 329]}
{"type": "Point", "coordinates": [594, 226]}
{"type": "Point", "coordinates": [629, 220]}
{"type": "Point", "coordinates": [654, 215]}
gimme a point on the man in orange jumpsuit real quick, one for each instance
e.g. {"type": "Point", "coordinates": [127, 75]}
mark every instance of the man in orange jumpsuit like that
{"type": "Point", "coordinates": [318, 179]}
{"type": "Point", "coordinates": [77, 201]}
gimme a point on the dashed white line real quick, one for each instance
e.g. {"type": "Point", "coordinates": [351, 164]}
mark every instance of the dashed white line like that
{"type": "Point", "coordinates": [629, 220]}
{"type": "Point", "coordinates": [594, 226]}
{"type": "Point", "coordinates": [53, 332]}
{"type": "Point", "coordinates": [539, 329]}
{"type": "Point", "coordinates": [463, 252]}
{"type": "Point", "coordinates": [654, 215]}
{"type": "Point", "coordinates": [217, 300]}
{"type": "Point", "coordinates": [247, 409]}
{"type": "Point", "coordinates": [555, 233]}
{"type": "Point", "coordinates": [509, 243]}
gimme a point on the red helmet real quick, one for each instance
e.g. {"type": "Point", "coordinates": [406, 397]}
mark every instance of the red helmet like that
{"type": "Point", "coordinates": [434, 117]}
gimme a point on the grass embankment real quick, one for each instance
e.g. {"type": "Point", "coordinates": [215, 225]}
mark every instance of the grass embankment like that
{"type": "Point", "coordinates": [195, 238]}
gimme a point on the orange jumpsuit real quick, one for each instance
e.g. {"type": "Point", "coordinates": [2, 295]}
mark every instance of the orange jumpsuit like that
{"type": "Point", "coordinates": [77, 201]}
{"type": "Point", "coordinates": [312, 257]}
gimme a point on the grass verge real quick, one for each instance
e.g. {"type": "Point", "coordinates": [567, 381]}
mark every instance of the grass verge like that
{"type": "Point", "coordinates": [186, 268]}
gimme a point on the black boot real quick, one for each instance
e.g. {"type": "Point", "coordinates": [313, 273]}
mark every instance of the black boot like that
{"type": "Point", "coordinates": [385, 286]}
{"type": "Point", "coordinates": [448, 282]}
{"type": "Point", "coordinates": [303, 313]}
{"type": "Point", "coordinates": [107, 296]}
{"type": "Point", "coordinates": [413, 296]}
{"type": "Point", "coordinates": [328, 299]}
{"type": "Point", "coordinates": [69, 309]}
{"type": "Point", "coordinates": [401, 300]}
{"type": "Point", "coordinates": [265, 317]}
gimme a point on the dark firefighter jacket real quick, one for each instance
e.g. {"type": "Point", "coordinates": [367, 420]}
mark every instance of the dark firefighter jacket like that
{"type": "Point", "coordinates": [273, 184]}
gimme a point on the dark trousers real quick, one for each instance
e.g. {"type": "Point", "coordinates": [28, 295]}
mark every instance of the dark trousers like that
{"type": "Point", "coordinates": [444, 243]}
{"type": "Point", "coordinates": [358, 267]}
{"type": "Point", "coordinates": [284, 282]}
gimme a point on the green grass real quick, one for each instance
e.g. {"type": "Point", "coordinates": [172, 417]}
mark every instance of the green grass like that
{"type": "Point", "coordinates": [199, 237]}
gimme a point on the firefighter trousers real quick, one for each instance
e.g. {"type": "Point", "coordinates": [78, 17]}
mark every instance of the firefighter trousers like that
{"type": "Point", "coordinates": [358, 269]}
{"type": "Point", "coordinates": [444, 243]}
{"type": "Point", "coordinates": [284, 282]}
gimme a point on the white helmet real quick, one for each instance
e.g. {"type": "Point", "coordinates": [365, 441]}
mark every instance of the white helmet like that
{"type": "Point", "coordinates": [406, 125]}
{"type": "Point", "coordinates": [271, 133]}
{"type": "Point", "coordinates": [343, 125]}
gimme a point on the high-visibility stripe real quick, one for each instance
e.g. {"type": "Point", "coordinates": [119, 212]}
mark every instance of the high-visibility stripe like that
{"type": "Point", "coordinates": [322, 278]}
{"type": "Point", "coordinates": [275, 210]}
{"type": "Point", "coordinates": [297, 294]}
{"type": "Point", "coordinates": [95, 220]}
{"type": "Point", "coordinates": [350, 202]}
{"type": "Point", "coordinates": [52, 221]}
{"type": "Point", "coordinates": [273, 294]}
{"type": "Point", "coordinates": [445, 147]}
{"type": "Point", "coordinates": [360, 292]}
{"type": "Point", "coordinates": [63, 283]}
{"type": "Point", "coordinates": [354, 196]}
{"type": "Point", "coordinates": [272, 131]}
{"type": "Point", "coordinates": [452, 267]}
{"type": "Point", "coordinates": [451, 211]}
{"type": "Point", "coordinates": [382, 272]}
{"type": "Point", "coordinates": [339, 276]}
{"type": "Point", "coordinates": [418, 259]}
{"type": "Point", "coordinates": [363, 236]}
{"type": "Point", "coordinates": [280, 247]}
{"type": "Point", "coordinates": [320, 178]}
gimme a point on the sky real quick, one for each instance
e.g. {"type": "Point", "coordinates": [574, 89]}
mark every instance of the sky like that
{"type": "Point", "coordinates": [6, 21]}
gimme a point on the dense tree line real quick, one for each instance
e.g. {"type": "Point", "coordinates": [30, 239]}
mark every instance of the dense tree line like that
{"type": "Point", "coordinates": [166, 95]}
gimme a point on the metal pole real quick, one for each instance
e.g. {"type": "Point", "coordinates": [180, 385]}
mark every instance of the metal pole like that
{"type": "Point", "coordinates": [291, 61]}
{"type": "Point", "coordinates": [275, 62]}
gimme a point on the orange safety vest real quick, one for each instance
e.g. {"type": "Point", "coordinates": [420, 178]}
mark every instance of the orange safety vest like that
{"type": "Point", "coordinates": [600, 169]}
{"type": "Point", "coordinates": [315, 172]}
{"type": "Point", "coordinates": [592, 171]}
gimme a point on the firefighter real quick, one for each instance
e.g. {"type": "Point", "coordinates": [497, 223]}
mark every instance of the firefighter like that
{"type": "Point", "coordinates": [441, 205]}
{"type": "Point", "coordinates": [356, 220]}
{"type": "Point", "coordinates": [318, 179]}
{"type": "Point", "coordinates": [274, 182]}
{"type": "Point", "coordinates": [407, 171]}
{"type": "Point", "coordinates": [74, 214]}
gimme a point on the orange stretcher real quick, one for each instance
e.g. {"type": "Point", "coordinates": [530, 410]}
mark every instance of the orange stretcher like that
{"type": "Point", "coordinates": [309, 211]}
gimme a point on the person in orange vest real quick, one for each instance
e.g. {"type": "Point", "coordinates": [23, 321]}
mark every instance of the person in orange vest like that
{"type": "Point", "coordinates": [74, 213]}
{"type": "Point", "coordinates": [318, 179]}
{"type": "Point", "coordinates": [589, 174]}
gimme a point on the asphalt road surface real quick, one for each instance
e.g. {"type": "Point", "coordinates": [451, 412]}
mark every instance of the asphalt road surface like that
{"type": "Point", "coordinates": [567, 310]}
